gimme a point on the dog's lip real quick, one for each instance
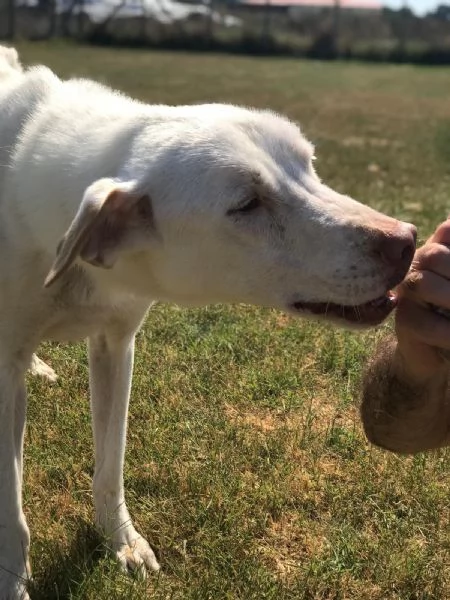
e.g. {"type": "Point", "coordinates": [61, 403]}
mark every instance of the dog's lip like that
{"type": "Point", "coordinates": [372, 313]}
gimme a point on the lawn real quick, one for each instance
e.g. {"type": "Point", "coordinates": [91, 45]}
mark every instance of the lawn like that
{"type": "Point", "coordinates": [247, 468]}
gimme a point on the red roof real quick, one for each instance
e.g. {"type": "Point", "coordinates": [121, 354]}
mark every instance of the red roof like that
{"type": "Point", "coordinates": [358, 4]}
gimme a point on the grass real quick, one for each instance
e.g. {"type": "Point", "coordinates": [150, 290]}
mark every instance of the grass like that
{"type": "Point", "coordinates": [246, 465]}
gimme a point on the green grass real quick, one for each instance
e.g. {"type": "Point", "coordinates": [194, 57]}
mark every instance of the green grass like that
{"type": "Point", "coordinates": [246, 465]}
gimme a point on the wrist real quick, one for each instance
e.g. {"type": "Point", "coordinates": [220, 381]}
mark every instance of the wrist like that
{"type": "Point", "coordinates": [419, 364]}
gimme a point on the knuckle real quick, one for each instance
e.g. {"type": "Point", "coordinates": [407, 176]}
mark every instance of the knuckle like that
{"type": "Point", "coordinates": [431, 255]}
{"type": "Point", "coordinates": [444, 226]}
{"type": "Point", "coordinates": [442, 232]}
{"type": "Point", "coordinates": [413, 281]}
{"type": "Point", "coordinates": [421, 255]}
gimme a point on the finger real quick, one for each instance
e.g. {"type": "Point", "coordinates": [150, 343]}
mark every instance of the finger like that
{"type": "Point", "coordinates": [427, 287]}
{"type": "Point", "coordinates": [433, 257]}
{"type": "Point", "coordinates": [442, 233]}
{"type": "Point", "coordinates": [422, 324]}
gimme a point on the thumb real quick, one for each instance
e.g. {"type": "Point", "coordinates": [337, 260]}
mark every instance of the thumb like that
{"type": "Point", "coordinates": [442, 233]}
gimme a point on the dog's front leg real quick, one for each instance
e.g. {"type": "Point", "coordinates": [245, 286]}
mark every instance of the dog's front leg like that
{"type": "Point", "coordinates": [14, 535]}
{"type": "Point", "coordinates": [111, 366]}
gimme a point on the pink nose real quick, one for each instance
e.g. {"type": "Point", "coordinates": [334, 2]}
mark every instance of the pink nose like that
{"type": "Point", "coordinates": [397, 247]}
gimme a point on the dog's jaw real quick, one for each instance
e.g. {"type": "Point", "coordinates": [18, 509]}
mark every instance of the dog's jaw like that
{"type": "Point", "coordinates": [369, 314]}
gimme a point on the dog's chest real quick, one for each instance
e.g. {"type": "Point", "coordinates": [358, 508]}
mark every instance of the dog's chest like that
{"type": "Point", "coordinates": [77, 323]}
{"type": "Point", "coordinates": [78, 310]}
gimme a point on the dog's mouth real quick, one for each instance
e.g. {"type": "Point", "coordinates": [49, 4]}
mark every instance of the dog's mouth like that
{"type": "Point", "coordinates": [368, 314]}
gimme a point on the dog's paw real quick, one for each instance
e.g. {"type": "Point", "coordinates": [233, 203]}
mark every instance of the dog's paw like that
{"type": "Point", "coordinates": [134, 554]}
{"type": "Point", "coordinates": [40, 368]}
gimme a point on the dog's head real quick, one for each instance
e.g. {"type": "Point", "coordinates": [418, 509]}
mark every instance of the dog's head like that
{"type": "Point", "coordinates": [222, 204]}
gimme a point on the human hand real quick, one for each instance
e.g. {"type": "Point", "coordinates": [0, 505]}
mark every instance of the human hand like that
{"type": "Point", "coordinates": [423, 313]}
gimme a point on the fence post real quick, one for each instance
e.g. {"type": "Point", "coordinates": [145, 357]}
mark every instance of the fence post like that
{"type": "Point", "coordinates": [53, 17]}
{"type": "Point", "coordinates": [143, 23]}
{"type": "Point", "coordinates": [210, 23]}
{"type": "Point", "coordinates": [267, 25]}
{"type": "Point", "coordinates": [336, 26]}
{"type": "Point", "coordinates": [11, 33]}
{"type": "Point", "coordinates": [80, 19]}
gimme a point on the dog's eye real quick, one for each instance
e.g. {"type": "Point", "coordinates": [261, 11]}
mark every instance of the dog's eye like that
{"type": "Point", "coordinates": [249, 206]}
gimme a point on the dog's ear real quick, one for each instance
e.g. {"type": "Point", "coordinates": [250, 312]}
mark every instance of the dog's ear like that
{"type": "Point", "coordinates": [112, 217]}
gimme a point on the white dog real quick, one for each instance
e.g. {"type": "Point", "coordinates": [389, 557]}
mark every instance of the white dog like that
{"type": "Point", "coordinates": [107, 205]}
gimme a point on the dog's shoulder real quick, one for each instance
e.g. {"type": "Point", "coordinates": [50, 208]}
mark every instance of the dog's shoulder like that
{"type": "Point", "coordinates": [33, 84]}
{"type": "Point", "coordinates": [21, 95]}
{"type": "Point", "coordinates": [20, 98]}
{"type": "Point", "coordinates": [78, 92]}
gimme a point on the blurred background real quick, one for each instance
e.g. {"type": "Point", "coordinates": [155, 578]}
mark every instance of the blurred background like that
{"type": "Point", "coordinates": [375, 30]}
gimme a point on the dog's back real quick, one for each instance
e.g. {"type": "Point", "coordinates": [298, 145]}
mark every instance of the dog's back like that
{"type": "Point", "coordinates": [20, 92]}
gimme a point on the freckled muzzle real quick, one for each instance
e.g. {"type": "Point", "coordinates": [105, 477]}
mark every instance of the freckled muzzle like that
{"type": "Point", "coordinates": [394, 248]}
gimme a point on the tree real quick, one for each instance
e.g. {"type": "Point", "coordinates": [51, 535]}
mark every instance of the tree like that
{"type": "Point", "coordinates": [442, 12]}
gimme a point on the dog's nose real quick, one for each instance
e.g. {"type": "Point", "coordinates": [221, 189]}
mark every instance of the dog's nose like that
{"type": "Point", "coordinates": [397, 247]}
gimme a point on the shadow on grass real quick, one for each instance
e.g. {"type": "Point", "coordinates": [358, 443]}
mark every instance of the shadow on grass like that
{"type": "Point", "coordinates": [63, 575]}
